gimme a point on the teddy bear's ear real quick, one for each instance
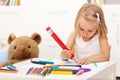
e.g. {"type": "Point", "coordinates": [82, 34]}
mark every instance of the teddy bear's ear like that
{"type": "Point", "coordinates": [36, 37]}
{"type": "Point", "coordinates": [11, 38]}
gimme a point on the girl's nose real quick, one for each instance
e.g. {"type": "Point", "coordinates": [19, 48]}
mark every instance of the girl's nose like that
{"type": "Point", "coordinates": [85, 34]}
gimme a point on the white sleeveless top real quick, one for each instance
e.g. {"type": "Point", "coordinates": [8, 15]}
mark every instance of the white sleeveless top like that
{"type": "Point", "coordinates": [85, 49]}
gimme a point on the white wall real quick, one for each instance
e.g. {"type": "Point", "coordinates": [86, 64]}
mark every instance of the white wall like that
{"type": "Point", "coordinates": [112, 17]}
{"type": "Point", "coordinates": [112, 2]}
{"type": "Point", "coordinates": [35, 16]}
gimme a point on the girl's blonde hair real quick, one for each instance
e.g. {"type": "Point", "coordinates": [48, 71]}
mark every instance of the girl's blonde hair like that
{"type": "Point", "coordinates": [93, 13]}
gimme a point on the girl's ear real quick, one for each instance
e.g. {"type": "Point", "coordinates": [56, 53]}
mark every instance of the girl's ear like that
{"type": "Point", "coordinates": [36, 37]}
{"type": "Point", "coordinates": [11, 38]}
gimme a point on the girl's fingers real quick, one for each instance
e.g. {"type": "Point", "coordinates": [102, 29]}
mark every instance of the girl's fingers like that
{"type": "Point", "coordinates": [66, 54]}
{"type": "Point", "coordinates": [82, 62]}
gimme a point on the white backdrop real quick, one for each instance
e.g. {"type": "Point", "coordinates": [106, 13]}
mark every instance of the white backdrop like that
{"type": "Point", "coordinates": [112, 17]}
{"type": "Point", "coordinates": [35, 16]}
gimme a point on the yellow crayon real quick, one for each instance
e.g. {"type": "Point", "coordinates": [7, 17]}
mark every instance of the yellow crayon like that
{"type": "Point", "coordinates": [64, 72]}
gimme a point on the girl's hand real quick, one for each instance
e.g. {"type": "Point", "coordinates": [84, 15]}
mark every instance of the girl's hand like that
{"type": "Point", "coordinates": [65, 54]}
{"type": "Point", "coordinates": [84, 61]}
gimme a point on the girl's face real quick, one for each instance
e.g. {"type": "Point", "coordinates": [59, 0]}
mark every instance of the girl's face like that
{"type": "Point", "coordinates": [87, 29]}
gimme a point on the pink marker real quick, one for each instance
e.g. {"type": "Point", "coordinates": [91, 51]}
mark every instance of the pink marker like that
{"type": "Point", "coordinates": [83, 70]}
{"type": "Point", "coordinates": [57, 39]}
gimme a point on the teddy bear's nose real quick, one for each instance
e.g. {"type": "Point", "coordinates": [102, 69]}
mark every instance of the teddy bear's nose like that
{"type": "Point", "coordinates": [21, 47]}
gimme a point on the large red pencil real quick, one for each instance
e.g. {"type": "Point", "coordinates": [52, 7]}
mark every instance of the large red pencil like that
{"type": "Point", "coordinates": [57, 39]}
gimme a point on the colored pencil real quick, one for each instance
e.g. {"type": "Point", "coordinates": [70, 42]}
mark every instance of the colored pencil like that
{"type": "Point", "coordinates": [49, 71]}
{"type": "Point", "coordinates": [43, 71]}
{"type": "Point", "coordinates": [65, 72]}
{"type": "Point", "coordinates": [38, 73]}
{"type": "Point", "coordinates": [8, 71]}
{"type": "Point", "coordinates": [28, 71]}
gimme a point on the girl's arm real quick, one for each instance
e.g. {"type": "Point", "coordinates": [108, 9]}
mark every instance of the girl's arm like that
{"type": "Point", "coordinates": [105, 51]}
{"type": "Point", "coordinates": [65, 54]}
{"type": "Point", "coordinates": [71, 40]}
{"type": "Point", "coordinates": [103, 56]}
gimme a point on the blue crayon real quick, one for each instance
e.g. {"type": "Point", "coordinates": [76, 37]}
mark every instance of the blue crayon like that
{"type": "Point", "coordinates": [38, 62]}
{"type": "Point", "coordinates": [39, 71]}
{"type": "Point", "coordinates": [11, 68]}
{"type": "Point", "coordinates": [47, 62]}
{"type": "Point", "coordinates": [42, 62]}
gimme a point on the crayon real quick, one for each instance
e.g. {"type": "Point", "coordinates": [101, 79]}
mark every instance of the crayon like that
{"type": "Point", "coordinates": [48, 62]}
{"type": "Point", "coordinates": [50, 66]}
{"type": "Point", "coordinates": [80, 72]}
{"type": "Point", "coordinates": [43, 71]}
{"type": "Point", "coordinates": [11, 65]}
{"type": "Point", "coordinates": [38, 73]}
{"type": "Point", "coordinates": [36, 70]}
{"type": "Point", "coordinates": [49, 71]}
{"type": "Point", "coordinates": [47, 66]}
{"type": "Point", "coordinates": [95, 64]}
{"type": "Point", "coordinates": [11, 68]}
{"type": "Point", "coordinates": [42, 62]}
{"type": "Point", "coordinates": [8, 71]}
{"type": "Point", "coordinates": [65, 72]}
{"type": "Point", "coordinates": [83, 70]}
{"type": "Point", "coordinates": [71, 65]}
{"type": "Point", "coordinates": [58, 40]}
{"type": "Point", "coordinates": [48, 59]}
{"type": "Point", "coordinates": [65, 67]}
{"type": "Point", "coordinates": [28, 71]}
{"type": "Point", "coordinates": [36, 62]}
{"type": "Point", "coordinates": [32, 70]}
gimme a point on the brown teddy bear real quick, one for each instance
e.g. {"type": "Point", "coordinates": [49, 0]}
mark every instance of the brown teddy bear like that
{"type": "Point", "coordinates": [22, 48]}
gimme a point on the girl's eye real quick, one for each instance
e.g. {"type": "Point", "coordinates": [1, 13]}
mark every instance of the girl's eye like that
{"type": "Point", "coordinates": [29, 46]}
{"type": "Point", "coordinates": [90, 30]}
{"type": "Point", "coordinates": [81, 29]}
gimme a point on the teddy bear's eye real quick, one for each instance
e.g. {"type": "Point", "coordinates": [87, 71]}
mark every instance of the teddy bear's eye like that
{"type": "Point", "coordinates": [15, 47]}
{"type": "Point", "coordinates": [29, 46]}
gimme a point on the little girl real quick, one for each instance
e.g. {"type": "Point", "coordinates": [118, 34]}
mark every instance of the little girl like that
{"type": "Point", "coordinates": [89, 37]}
